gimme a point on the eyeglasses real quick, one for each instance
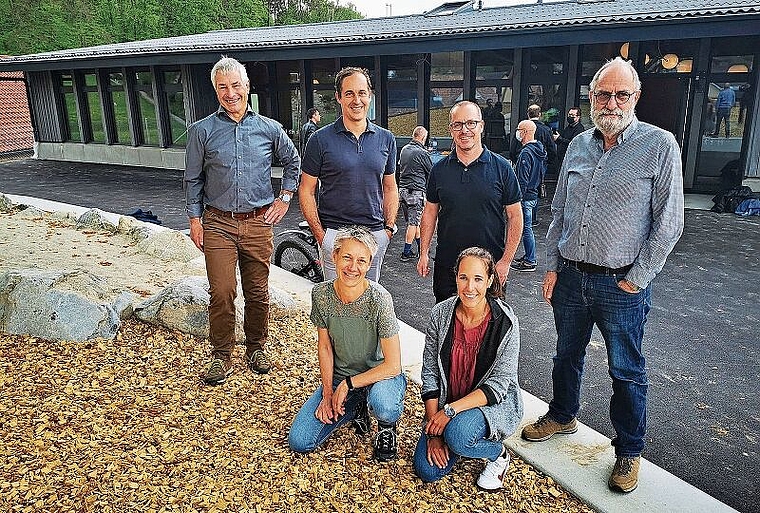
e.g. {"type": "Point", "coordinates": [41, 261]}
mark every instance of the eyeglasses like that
{"type": "Point", "coordinates": [471, 124]}
{"type": "Point", "coordinates": [621, 97]}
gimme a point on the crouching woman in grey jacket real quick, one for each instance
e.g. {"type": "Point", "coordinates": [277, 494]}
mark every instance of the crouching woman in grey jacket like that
{"type": "Point", "coordinates": [469, 376]}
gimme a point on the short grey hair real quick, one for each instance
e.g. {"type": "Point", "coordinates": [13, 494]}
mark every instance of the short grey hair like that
{"type": "Point", "coordinates": [614, 62]}
{"type": "Point", "coordinates": [227, 65]}
{"type": "Point", "coordinates": [359, 234]}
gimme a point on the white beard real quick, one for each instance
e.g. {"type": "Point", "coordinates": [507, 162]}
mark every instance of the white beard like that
{"type": "Point", "coordinates": [611, 126]}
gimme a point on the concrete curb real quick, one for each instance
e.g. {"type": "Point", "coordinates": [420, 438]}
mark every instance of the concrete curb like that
{"type": "Point", "coordinates": [580, 462]}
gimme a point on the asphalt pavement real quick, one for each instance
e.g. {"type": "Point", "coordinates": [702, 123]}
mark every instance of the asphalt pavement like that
{"type": "Point", "coordinates": [701, 340]}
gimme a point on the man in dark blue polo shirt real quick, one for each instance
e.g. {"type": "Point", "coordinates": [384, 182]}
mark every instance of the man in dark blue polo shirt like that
{"type": "Point", "coordinates": [468, 194]}
{"type": "Point", "coordinates": [354, 162]}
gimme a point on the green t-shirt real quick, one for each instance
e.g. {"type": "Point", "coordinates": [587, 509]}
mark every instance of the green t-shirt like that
{"type": "Point", "coordinates": [356, 328]}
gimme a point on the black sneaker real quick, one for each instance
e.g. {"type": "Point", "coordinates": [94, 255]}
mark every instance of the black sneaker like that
{"type": "Point", "coordinates": [523, 266]}
{"type": "Point", "coordinates": [405, 257]}
{"type": "Point", "coordinates": [385, 447]}
{"type": "Point", "coordinates": [361, 419]}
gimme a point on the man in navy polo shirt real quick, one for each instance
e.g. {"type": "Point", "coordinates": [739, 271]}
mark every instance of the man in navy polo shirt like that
{"type": "Point", "coordinates": [354, 162]}
{"type": "Point", "coordinates": [468, 194]}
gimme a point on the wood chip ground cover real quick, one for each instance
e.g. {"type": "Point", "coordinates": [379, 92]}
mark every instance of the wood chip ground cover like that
{"type": "Point", "coordinates": [127, 425]}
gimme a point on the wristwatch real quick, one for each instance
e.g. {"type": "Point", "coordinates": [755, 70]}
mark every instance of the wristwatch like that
{"type": "Point", "coordinates": [449, 411]}
{"type": "Point", "coordinates": [393, 229]}
{"type": "Point", "coordinates": [285, 196]}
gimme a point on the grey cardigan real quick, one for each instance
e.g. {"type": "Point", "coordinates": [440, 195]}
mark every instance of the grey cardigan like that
{"type": "Point", "coordinates": [495, 366]}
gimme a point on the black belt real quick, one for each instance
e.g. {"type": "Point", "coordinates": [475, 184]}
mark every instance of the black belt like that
{"type": "Point", "coordinates": [597, 269]}
{"type": "Point", "coordinates": [256, 212]}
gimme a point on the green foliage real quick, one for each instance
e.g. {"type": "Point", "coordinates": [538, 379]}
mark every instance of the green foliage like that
{"type": "Point", "coordinates": [34, 26]}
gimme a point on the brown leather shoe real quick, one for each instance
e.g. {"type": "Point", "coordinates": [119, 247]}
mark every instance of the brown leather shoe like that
{"type": "Point", "coordinates": [625, 474]}
{"type": "Point", "coordinates": [546, 427]}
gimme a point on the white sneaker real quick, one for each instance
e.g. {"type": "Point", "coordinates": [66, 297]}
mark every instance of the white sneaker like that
{"type": "Point", "coordinates": [492, 477]}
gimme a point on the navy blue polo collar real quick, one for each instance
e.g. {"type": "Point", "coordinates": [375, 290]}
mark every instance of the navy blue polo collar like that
{"type": "Point", "coordinates": [340, 127]}
{"type": "Point", "coordinates": [484, 157]}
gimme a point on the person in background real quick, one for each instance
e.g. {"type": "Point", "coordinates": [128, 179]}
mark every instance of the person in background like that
{"type": "Point", "coordinates": [724, 104]}
{"type": "Point", "coordinates": [531, 167]}
{"type": "Point", "coordinates": [617, 215]}
{"type": "Point", "coordinates": [312, 124]}
{"type": "Point", "coordinates": [359, 353]}
{"type": "Point", "coordinates": [469, 376]}
{"type": "Point", "coordinates": [415, 168]}
{"type": "Point", "coordinates": [352, 162]}
{"type": "Point", "coordinates": [232, 208]}
{"type": "Point", "coordinates": [573, 128]}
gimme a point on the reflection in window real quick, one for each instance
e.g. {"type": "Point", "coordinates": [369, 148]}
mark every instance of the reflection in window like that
{"type": "Point", "coordinates": [402, 94]}
{"type": "Point", "coordinates": [119, 99]}
{"type": "Point", "coordinates": [93, 104]}
{"type": "Point", "coordinates": [493, 74]}
{"type": "Point", "coordinates": [147, 108]}
{"type": "Point", "coordinates": [593, 57]}
{"type": "Point", "coordinates": [70, 105]}
{"type": "Point", "coordinates": [324, 102]}
{"type": "Point", "coordinates": [671, 56]}
{"type": "Point", "coordinates": [548, 60]}
{"type": "Point", "coordinates": [447, 66]}
{"type": "Point", "coordinates": [323, 95]}
{"type": "Point", "coordinates": [550, 97]}
{"type": "Point", "coordinates": [733, 55]}
{"type": "Point", "coordinates": [175, 99]}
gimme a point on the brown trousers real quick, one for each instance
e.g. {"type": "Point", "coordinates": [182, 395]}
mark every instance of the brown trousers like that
{"type": "Point", "coordinates": [227, 244]}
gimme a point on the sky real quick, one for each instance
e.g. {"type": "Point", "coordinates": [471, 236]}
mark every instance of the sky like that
{"type": "Point", "coordinates": [378, 8]}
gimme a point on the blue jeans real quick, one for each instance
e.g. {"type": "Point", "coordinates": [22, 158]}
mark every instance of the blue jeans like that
{"type": "Point", "coordinates": [579, 301]}
{"type": "Point", "coordinates": [385, 400]}
{"type": "Point", "coordinates": [465, 436]}
{"type": "Point", "coordinates": [528, 239]}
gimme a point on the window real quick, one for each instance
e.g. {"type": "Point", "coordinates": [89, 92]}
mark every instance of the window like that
{"type": "Point", "coordinates": [670, 56]}
{"type": "Point", "coordinates": [402, 94]}
{"type": "Point", "coordinates": [119, 99]}
{"type": "Point", "coordinates": [175, 99]}
{"type": "Point", "coordinates": [146, 106]}
{"type": "Point", "coordinates": [70, 108]}
{"type": "Point", "coordinates": [94, 107]}
{"type": "Point", "coordinates": [493, 81]}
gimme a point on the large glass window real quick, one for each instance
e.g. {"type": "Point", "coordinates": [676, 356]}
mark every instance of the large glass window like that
{"type": "Point", "coordinates": [119, 99]}
{"type": "Point", "coordinates": [402, 94]}
{"type": "Point", "coordinates": [147, 108]}
{"type": "Point", "coordinates": [289, 98]}
{"type": "Point", "coordinates": [546, 83]}
{"type": "Point", "coordinates": [93, 105]}
{"type": "Point", "coordinates": [175, 99]}
{"type": "Point", "coordinates": [70, 107]}
{"type": "Point", "coordinates": [323, 85]}
{"type": "Point", "coordinates": [493, 91]}
{"type": "Point", "coordinates": [446, 88]}
{"type": "Point", "coordinates": [669, 56]}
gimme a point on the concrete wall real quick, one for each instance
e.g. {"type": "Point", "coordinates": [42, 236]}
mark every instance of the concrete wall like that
{"type": "Point", "coordinates": [168, 158]}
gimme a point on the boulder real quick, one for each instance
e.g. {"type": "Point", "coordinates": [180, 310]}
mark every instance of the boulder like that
{"type": "Point", "coordinates": [133, 228]}
{"type": "Point", "coordinates": [27, 212]}
{"type": "Point", "coordinates": [95, 219]}
{"type": "Point", "coordinates": [183, 306]}
{"type": "Point", "coordinates": [6, 205]}
{"type": "Point", "coordinates": [61, 305]}
{"type": "Point", "coordinates": [170, 245]}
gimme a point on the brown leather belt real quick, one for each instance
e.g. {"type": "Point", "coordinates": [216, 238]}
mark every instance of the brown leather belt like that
{"type": "Point", "coordinates": [586, 267]}
{"type": "Point", "coordinates": [256, 212]}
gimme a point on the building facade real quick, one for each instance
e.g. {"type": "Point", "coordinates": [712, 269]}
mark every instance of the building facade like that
{"type": "Point", "coordinates": [131, 103]}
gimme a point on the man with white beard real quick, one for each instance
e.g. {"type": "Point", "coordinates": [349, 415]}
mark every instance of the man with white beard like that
{"type": "Point", "coordinates": [616, 216]}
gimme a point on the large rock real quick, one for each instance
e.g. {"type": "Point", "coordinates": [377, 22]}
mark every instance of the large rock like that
{"type": "Point", "coordinates": [6, 205]}
{"type": "Point", "coordinates": [134, 229]}
{"type": "Point", "coordinates": [183, 306]}
{"type": "Point", "coordinates": [61, 305]}
{"type": "Point", "coordinates": [95, 219]}
{"type": "Point", "coordinates": [170, 245]}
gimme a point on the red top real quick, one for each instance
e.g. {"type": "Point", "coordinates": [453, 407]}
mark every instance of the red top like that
{"type": "Point", "coordinates": [464, 351]}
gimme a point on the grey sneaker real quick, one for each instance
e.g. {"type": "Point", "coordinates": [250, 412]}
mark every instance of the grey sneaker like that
{"type": "Point", "coordinates": [406, 257]}
{"type": "Point", "coordinates": [625, 474]}
{"type": "Point", "coordinates": [218, 371]}
{"type": "Point", "coordinates": [546, 427]}
{"type": "Point", "coordinates": [258, 361]}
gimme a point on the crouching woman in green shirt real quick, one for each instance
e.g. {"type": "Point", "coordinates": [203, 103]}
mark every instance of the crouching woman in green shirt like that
{"type": "Point", "coordinates": [359, 353]}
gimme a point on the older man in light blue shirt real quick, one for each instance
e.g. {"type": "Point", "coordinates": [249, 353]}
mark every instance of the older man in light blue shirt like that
{"type": "Point", "coordinates": [232, 207]}
{"type": "Point", "coordinates": [617, 214]}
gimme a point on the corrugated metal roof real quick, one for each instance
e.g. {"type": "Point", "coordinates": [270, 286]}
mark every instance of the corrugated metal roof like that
{"type": "Point", "coordinates": [470, 22]}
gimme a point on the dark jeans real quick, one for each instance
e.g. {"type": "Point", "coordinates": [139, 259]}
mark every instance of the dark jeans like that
{"type": "Point", "coordinates": [581, 300]}
{"type": "Point", "coordinates": [723, 115]}
{"type": "Point", "coordinates": [444, 281]}
{"type": "Point", "coordinates": [227, 244]}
